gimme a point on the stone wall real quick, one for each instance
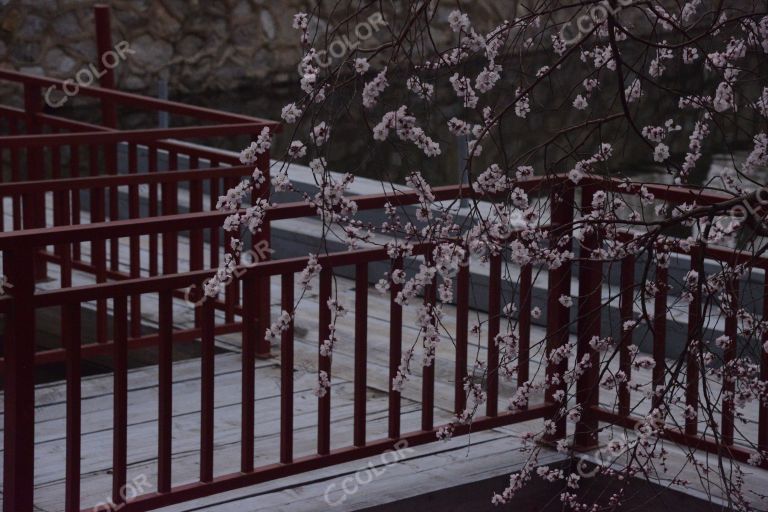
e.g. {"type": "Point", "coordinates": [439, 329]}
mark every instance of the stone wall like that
{"type": "Point", "coordinates": [197, 45]}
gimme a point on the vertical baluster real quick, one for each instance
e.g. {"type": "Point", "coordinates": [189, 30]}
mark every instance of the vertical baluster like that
{"type": "Point", "coordinates": [232, 293]}
{"type": "Point", "coordinates": [2, 180]}
{"type": "Point", "coordinates": [324, 363]}
{"type": "Point", "coordinates": [29, 200]}
{"type": "Point", "coordinates": [494, 306]}
{"type": "Point", "coordinates": [762, 429]}
{"type": "Point", "coordinates": [524, 326]}
{"type": "Point", "coordinates": [34, 202]}
{"type": "Point", "coordinates": [165, 392]}
{"type": "Point", "coordinates": [170, 207]}
{"type": "Point", "coordinates": [395, 352]}
{"type": "Point", "coordinates": [71, 333]}
{"type": "Point", "coordinates": [98, 247]}
{"type": "Point", "coordinates": [361, 351]}
{"type": "Point", "coordinates": [19, 381]}
{"type": "Point", "coordinates": [106, 73]}
{"type": "Point", "coordinates": [74, 171]}
{"type": "Point", "coordinates": [694, 336]}
{"type": "Point", "coordinates": [173, 165]}
{"type": "Point", "coordinates": [61, 218]}
{"type": "Point", "coordinates": [729, 355]}
{"type": "Point", "coordinates": [252, 329]}
{"type": "Point", "coordinates": [66, 265]}
{"type": "Point", "coordinates": [588, 327]}
{"type": "Point", "coordinates": [428, 371]}
{"type": "Point", "coordinates": [558, 317]}
{"type": "Point", "coordinates": [108, 119]}
{"type": "Point", "coordinates": [58, 220]}
{"type": "Point", "coordinates": [110, 168]}
{"type": "Point", "coordinates": [659, 332]}
{"type": "Point", "coordinates": [215, 231]}
{"type": "Point", "coordinates": [154, 252]}
{"type": "Point", "coordinates": [134, 241]}
{"type": "Point", "coordinates": [114, 243]}
{"type": "Point", "coordinates": [462, 327]}
{"type": "Point", "coordinates": [196, 246]}
{"type": "Point", "coordinates": [120, 407]}
{"type": "Point", "coordinates": [263, 345]}
{"type": "Point", "coordinates": [97, 194]}
{"type": "Point", "coordinates": [15, 175]}
{"type": "Point", "coordinates": [265, 241]}
{"type": "Point", "coordinates": [286, 374]}
{"type": "Point", "coordinates": [207, 375]}
{"type": "Point", "coordinates": [626, 300]}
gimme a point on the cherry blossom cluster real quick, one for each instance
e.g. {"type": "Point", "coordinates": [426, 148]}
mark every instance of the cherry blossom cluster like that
{"type": "Point", "coordinates": [405, 127]}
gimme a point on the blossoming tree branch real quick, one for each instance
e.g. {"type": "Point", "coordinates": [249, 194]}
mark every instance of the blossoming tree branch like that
{"type": "Point", "coordinates": [595, 91]}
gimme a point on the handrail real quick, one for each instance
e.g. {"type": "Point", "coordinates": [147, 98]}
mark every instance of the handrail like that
{"type": "Point", "coordinates": [177, 281]}
{"type": "Point", "coordinates": [38, 237]}
{"type": "Point", "coordinates": [677, 193]}
{"type": "Point", "coordinates": [143, 135]}
{"type": "Point", "coordinates": [152, 284]}
{"type": "Point", "coordinates": [135, 100]}
{"type": "Point", "coordinates": [160, 224]}
{"type": "Point", "coordinates": [118, 180]}
{"type": "Point", "coordinates": [168, 145]}
{"type": "Point", "coordinates": [712, 251]}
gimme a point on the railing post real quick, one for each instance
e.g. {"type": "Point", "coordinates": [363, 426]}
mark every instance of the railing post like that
{"type": "Point", "coordinates": [626, 313]}
{"type": "Point", "coordinates": [462, 337]}
{"type": "Point", "coordinates": [659, 372]}
{"type": "Point", "coordinates": [588, 326]}
{"type": "Point", "coordinates": [324, 362]}
{"type": "Point", "coordinates": [524, 325]}
{"type": "Point", "coordinates": [558, 316]}
{"type": "Point", "coordinates": [19, 422]}
{"type": "Point", "coordinates": [729, 356]}
{"type": "Point", "coordinates": [34, 202]}
{"type": "Point", "coordinates": [253, 328]}
{"type": "Point", "coordinates": [263, 250]}
{"type": "Point", "coordinates": [693, 345]}
{"type": "Point", "coordinates": [494, 321]}
{"type": "Point", "coordinates": [395, 351]}
{"type": "Point", "coordinates": [762, 428]}
{"type": "Point", "coordinates": [101, 14]}
{"type": "Point", "coordinates": [428, 369]}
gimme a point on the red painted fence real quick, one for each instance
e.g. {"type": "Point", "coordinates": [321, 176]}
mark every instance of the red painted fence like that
{"type": "Point", "coordinates": [31, 156]}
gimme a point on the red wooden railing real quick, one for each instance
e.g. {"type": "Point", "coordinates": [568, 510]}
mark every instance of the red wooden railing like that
{"type": "Point", "coordinates": [20, 247]}
{"type": "Point", "coordinates": [589, 322]}
{"type": "Point", "coordinates": [32, 153]}
{"type": "Point", "coordinates": [20, 306]}
{"type": "Point", "coordinates": [32, 245]}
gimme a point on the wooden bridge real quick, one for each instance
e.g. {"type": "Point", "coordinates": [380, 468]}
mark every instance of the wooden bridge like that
{"type": "Point", "coordinates": [162, 402]}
